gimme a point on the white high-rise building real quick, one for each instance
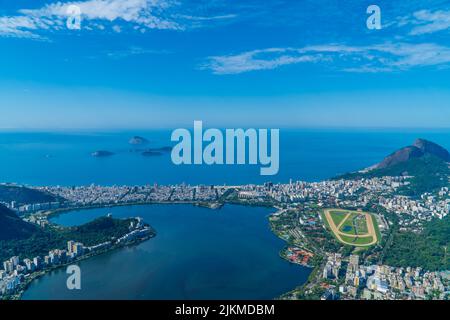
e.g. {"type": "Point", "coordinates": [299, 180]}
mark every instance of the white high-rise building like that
{"type": "Point", "coordinates": [70, 245]}
{"type": "Point", "coordinates": [15, 261]}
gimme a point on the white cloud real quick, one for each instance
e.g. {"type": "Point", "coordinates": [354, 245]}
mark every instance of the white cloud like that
{"type": "Point", "coordinates": [133, 51]}
{"type": "Point", "coordinates": [424, 22]}
{"type": "Point", "coordinates": [117, 28]}
{"type": "Point", "coordinates": [140, 15]}
{"type": "Point", "coordinates": [255, 60]}
{"type": "Point", "coordinates": [151, 14]}
{"type": "Point", "coordinates": [429, 22]}
{"type": "Point", "coordinates": [208, 18]}
{"type": "Point", "coordinates": [375, 58]}
{"type": "Point", "coordinates": [405, 55]}
{"type": "Point", "coordinates": [22, 26]}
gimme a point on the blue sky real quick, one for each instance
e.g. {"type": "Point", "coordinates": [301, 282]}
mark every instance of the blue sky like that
{"type": "Point", "coordinates": [164, 63]}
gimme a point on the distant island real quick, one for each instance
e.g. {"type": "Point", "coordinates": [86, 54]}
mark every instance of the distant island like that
{"type": "Point", "coordinates": [102, 154]}
{"type": "Point", "coordinates": [137, 140]}
{"type": "Point", "coordinates": [150, 153]}
{"type": "Point", "coordinates": [156, 151]}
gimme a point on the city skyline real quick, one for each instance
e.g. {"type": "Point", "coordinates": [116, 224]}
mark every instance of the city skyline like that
{"type": "Point", "coordinates": [163, 64]}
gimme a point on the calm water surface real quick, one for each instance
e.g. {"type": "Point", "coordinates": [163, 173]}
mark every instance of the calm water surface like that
{"type": "Point", "coordinates": [311, 155]}
{"type": "Point", "coordinates": [198, 253]}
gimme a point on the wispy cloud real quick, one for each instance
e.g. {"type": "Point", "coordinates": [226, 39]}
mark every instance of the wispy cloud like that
{"type": "Point", "coordinates": [139, 14]}
{"type": "Point", "coordinates": [133, 51]}
{"type": "Point", "coordinates": [23, 26]}
{"type": "Point", "coordinates": [208, 18]}
{"type": "Point", "coordinates": [430, 22]}
{"type": "Point", "coordinates": [30, 22]}
{"type": "Point", "coordinates": [423, 22]}
{"type": "Point", "coordinates": [374, 58]}
{"type": "Point", "coordinates": [263, 59]}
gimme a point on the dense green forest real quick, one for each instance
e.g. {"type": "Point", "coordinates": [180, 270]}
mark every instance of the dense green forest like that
{"type": "Point", "coordinates": [12, 227]}
{"type": "Point", "coordinates": [430, 174]}
{"type": "Point", "coordinates": [23, 195]}
{"type": "Point", "coordinates": [95, 232]}
{"type": "Point", "coordinates": [428, 249]}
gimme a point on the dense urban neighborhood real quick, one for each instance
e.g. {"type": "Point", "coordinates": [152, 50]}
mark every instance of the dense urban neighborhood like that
{"type": "Point", "coordinates": [297, 220]}
{"type": "Point", "coordinates": [379, 233]}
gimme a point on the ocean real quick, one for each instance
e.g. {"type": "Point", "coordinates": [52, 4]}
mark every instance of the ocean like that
{"type": "Point", "coordinates": [311, 155]}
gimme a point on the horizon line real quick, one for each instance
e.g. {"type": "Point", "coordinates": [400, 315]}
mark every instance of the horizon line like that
{"type": "Point", "coordinates": [159, 128]}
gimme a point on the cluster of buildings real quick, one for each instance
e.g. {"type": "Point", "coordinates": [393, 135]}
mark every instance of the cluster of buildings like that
{"type": "Point", "coordinates": [358, 193]}
{"type": "Point", "coordinates": [182, 193]}
{"type": "Point", "coordinates": [333, 266]}
{"type": "Point", "coordinates": [343, 193]}
{"type": "Point", "coordinates": [382, 282]}
{"type": "Point", "coordinates": [335, 189]}
{"type": "Point", "coordinates": [340, 193]}
{"type": "Point", "coordinates": [348, 277]}
{"type": "Point", "coordinates": [138, 230]}
{"type": "Point", "coordinates": [15, 272]}
{"type": "Point", "coordinates": [427, 207]}
{"type": "Point", "coordinates": [30, 208]}
{"type": "Point", "coordinates": [109, 195]}
{"type": "Point", "coordinates": [298, 255]}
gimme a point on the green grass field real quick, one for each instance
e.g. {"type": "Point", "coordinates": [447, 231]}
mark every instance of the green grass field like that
{"type": "Point", "coordinates": [337, 216]}
{"type": "Point", "coordinates": [347, 227]}
{"type": "Point", "coordinates": [354, 225]}
{"type": "Point", "coordinates": [357, 240]}
{"type": "Point", "coordinates": [377, 228]}
{"type": "Point", "coordinates": [361, 225]}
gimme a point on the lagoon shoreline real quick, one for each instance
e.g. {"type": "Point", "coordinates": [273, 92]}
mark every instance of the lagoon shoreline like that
{"type": "Point", "coordinates": [210, 205]}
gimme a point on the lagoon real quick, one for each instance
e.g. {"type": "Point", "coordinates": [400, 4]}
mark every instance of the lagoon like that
{"type": "Point", "coordinates": [198, 253]}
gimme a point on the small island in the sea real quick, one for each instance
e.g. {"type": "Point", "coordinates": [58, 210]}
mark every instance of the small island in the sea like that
{"type": "Point", "coordinates": [102, 154]}
{"type": "Point", "coordinates": [152, 152]}
{"type": "Point", "coordinates": [137, 140]}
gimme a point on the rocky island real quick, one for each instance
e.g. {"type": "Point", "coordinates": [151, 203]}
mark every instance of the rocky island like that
{"type": "Point", "coordinates": [102, 154]}
{"type": "Point", "coordinates": [137, 140]}
{"type": "Point", "coordinates": [156, 151]}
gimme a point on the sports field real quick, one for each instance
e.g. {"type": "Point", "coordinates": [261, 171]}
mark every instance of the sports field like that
{"type": "Point", "coordinates": [354, 228]}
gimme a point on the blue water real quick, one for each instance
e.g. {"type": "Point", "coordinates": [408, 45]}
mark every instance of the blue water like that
{"type": "Point", "coordinates": [198, 253]}
{"type": "Point", "coordinates": [347, 228]}
{"type": "Point", "coordinates": [64, 158]}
